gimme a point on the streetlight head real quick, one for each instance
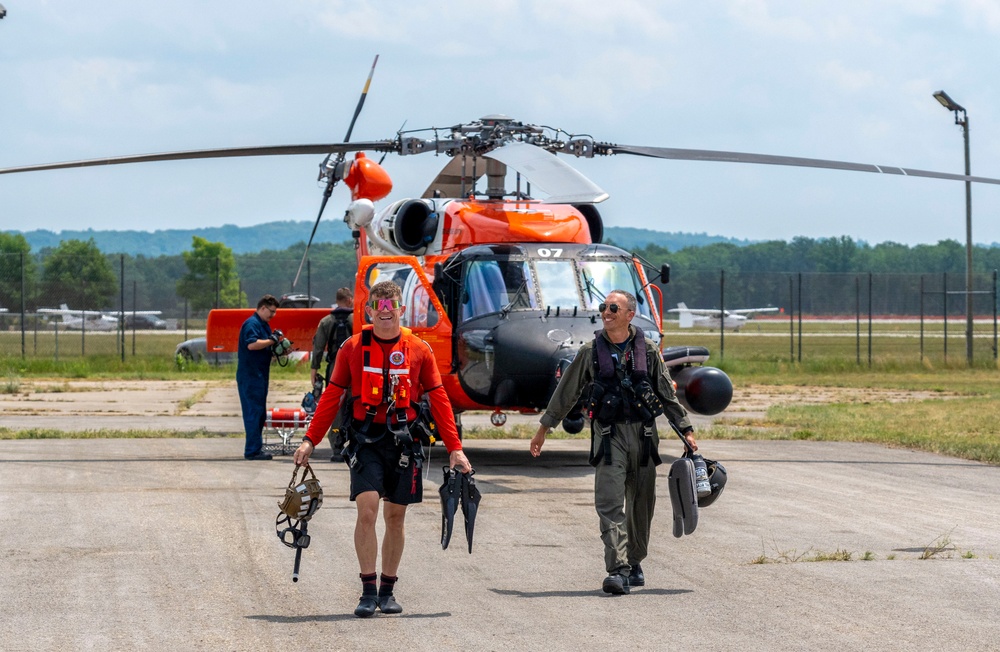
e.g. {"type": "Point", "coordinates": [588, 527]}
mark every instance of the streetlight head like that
{"type": "Point", "coordinates": [947, 102]}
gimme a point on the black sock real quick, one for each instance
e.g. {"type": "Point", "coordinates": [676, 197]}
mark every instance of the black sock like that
{"type": "Point", "coordinates": [386, 585]}
{"type": "Point", "coordinates": [368, 584]}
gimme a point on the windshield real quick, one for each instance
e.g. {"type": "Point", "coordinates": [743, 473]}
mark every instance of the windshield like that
{"type": "Point", "coordinates": [599, 277]}
{"type": "Point", "coordinates": [495, 285]}
{"type": "Point", "coordinates": [557, 283]}
{"type": "Point", "coordinates": [492, 286]}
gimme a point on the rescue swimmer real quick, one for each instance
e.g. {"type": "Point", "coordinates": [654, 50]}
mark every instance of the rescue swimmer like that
{"type": "Point", "coordinates": [381, 373]}
{"type": "Point", "coordinates": [630, 388]}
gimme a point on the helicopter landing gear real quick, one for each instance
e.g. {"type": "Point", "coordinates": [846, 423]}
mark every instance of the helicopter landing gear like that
{"type": "Point", "coordinates": [498, 418]}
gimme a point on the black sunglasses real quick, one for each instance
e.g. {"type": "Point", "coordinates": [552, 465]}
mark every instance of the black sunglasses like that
{"type": "Point", "coordinates": [613, 307]}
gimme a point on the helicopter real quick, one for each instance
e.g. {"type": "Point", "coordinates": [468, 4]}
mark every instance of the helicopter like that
{"type": "Point", "coordinates": [503, 285]}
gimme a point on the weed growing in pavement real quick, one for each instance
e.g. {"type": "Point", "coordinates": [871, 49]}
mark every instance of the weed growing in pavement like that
{"type": "Point", "coordinates": [12, 385]}
{"type": "Point", "coordinates": [185, 404]}
{"type": "Point", "coordinates": [941, 546]}
{"type": "Point", "coordinates": [836, 555]}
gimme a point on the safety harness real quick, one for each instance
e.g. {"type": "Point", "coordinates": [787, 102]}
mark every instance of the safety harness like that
{"type": "Point", "coordinates": [621, 393]}
{"type": "Point", "coordinates": [385, 380]}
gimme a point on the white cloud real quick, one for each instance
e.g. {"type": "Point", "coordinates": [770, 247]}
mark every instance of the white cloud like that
{"type": "Point", "coordinates": [852, 81]}
{"type": "Point", "coordinates": [757, 16]}
{"type": "Point", "coordinates": [982, 14]}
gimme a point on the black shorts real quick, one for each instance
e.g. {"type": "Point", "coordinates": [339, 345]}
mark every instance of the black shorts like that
{"type": "Point", "coordinates": [378, 469]}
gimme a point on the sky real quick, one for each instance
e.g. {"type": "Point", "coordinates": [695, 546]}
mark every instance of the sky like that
{"type": "Point", "coordinates": [850, 80]}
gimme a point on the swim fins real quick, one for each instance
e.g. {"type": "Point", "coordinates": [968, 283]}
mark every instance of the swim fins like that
{"type": "Point", "coordinates": [470, 504]}
{"type": "Point", "coordinates": [451, 494]}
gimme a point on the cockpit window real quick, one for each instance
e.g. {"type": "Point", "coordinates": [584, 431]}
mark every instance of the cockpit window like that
{"type": "Point", "coordinates": [557, 283]}
{"type": "Point", "coordinates": [599, 277]}
{"type": "Point", "coordinates": [495, 285]}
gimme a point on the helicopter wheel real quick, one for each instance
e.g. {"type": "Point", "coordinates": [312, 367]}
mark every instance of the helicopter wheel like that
{"type": "Point", "coordinates": [498, 418]}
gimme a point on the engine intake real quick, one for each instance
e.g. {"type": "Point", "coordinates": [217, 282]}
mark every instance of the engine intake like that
{"type": "Point", "coordinates": [414, 225]}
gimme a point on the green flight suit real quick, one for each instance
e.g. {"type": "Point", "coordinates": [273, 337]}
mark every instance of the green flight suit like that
{"type": "Point", "coordinates": [625, 489]}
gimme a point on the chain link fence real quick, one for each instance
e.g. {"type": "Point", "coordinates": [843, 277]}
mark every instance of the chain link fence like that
{"type": "Point", "coordinates": [131, 307]}
{"type": "Point", "coordinates": [119, 306]}
{"type": "Point", "coordinates": [865, 317]}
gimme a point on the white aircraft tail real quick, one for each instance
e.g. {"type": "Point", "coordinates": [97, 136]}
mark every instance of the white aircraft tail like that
{"type": "Point", "coordinates": [684, 316]}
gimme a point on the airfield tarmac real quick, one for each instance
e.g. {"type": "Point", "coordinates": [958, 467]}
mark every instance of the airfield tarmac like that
{"type": "Point", "coordinates": [168, 544]}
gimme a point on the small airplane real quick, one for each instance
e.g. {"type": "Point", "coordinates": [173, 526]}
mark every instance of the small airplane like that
{"type": "Point", "coordinates": [90, 320]}
{"type": "Point", "coordinates": [730, 320]}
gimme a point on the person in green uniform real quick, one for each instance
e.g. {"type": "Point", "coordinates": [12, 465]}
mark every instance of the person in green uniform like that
{"type": "Point", "coordinates": [630, 387]}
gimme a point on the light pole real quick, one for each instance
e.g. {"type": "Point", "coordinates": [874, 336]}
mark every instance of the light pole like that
{"type": "Point", "coordinates": [951, 105]}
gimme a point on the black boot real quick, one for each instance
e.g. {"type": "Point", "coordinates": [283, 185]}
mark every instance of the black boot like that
{"type": "Point", "coordinates": [636, 578]}
{"type": "Point", "coordinates": [615, 584]}
{"type": "Point", "coordinates": [386, 602]}
{"type": "Point", "coordinates": [369, 597]}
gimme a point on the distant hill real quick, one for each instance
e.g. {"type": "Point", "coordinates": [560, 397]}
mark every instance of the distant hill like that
{"type": "Point", "coordinates": [282, 235]}
{"type": "Point", "coordinates": [171, 242]}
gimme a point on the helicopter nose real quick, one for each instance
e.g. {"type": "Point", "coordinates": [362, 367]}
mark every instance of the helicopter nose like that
{"type": "Point", "coordinates": [530, 361]}
{"type": "Point", "coordinates": [529, 354]}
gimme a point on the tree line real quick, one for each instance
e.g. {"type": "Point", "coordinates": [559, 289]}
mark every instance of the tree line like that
{"type": "Point", "coordinates": [209, 274]}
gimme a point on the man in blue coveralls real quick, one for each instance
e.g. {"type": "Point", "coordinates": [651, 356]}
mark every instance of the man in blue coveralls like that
{"type": "Point", "coordinates": [253, 371]}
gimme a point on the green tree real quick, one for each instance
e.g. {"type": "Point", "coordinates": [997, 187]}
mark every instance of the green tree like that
{"type": "Point", "coordinates": [834, 254]}
{"type": "Point", "coordinates": [78, 274]}
{"type": "Point", "coordinates": [15, 252]}
{"type": "Point", "coordinates": [211, 269]}
{"type": "Point", "coordinates": [331, 266]}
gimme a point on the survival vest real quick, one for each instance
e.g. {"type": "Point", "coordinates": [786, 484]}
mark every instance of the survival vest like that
{"type": "Point", "coordinates": [621, 393]}
{"type": "Point", "coordinates": [385, 379]}
{"type": "Point", "coordinates": [611, 395]}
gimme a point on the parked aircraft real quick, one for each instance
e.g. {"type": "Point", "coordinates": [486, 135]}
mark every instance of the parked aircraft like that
{"type": "Point", "coordinates": [730, 320]}
{"type": "Point", "coordinates": [91, 320]}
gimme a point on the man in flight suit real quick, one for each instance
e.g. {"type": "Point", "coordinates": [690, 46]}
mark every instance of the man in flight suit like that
{"type": "Point", "coordinates": [253, 369]}
{"type": "Point", "coordinates": [384, 370]}
{"type": "Point", "coordinates": [624, 439]}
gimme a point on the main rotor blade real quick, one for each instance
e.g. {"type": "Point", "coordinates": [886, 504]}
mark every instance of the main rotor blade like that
{"type": "Point", "coordinates": [332, 180]}
{"type": "Point", "coordinates": [361, 101]}
{"type": "Point", "coordinates": [562, 181]}
{"type": "Point", "coordinates": [231, 152]}
{"type": "Point", "coordinates": [305, 254]}
{"type": "Point", "coordinates": [793, 161]}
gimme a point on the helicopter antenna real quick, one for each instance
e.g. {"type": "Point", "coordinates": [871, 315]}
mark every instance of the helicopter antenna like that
{"type": "Point", "coordinates": [335, 172]}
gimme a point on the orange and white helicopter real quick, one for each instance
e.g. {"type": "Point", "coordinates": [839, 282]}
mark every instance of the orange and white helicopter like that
{"type": "Point", "coordinates": [502, 284]}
